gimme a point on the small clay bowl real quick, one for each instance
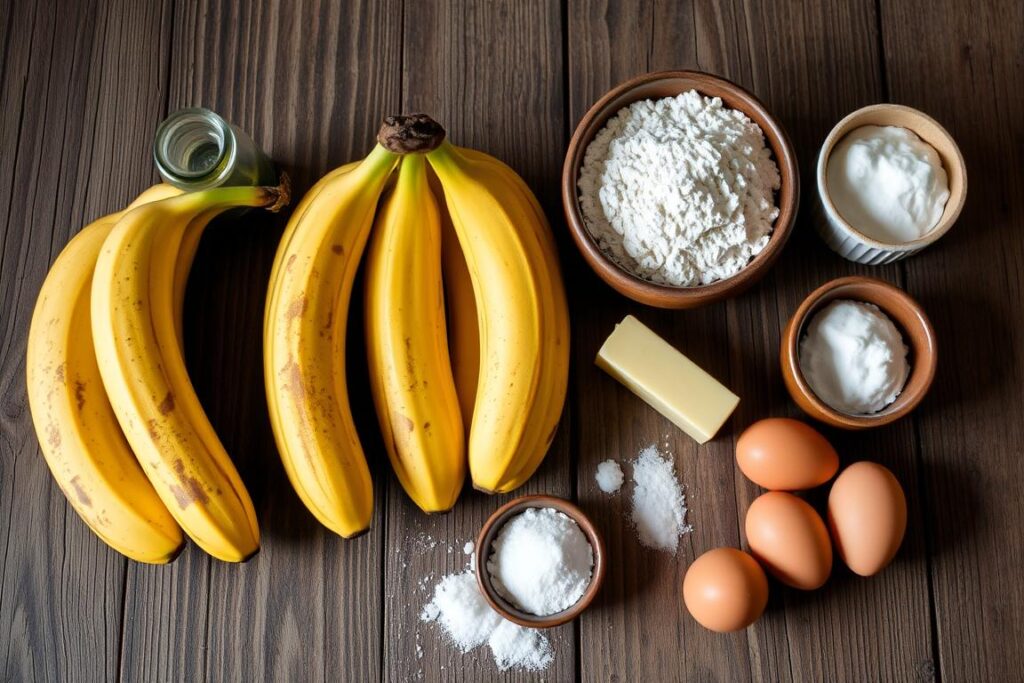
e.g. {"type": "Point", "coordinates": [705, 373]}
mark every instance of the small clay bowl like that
{"type": "Point", "coordinates": [905, 313]}
{"type": "Point", "coordinates": [669, 84]}
{"type": "Point", "coordinates": [843, 237]}
{"type": "Point", "coordinates": [491, 529]}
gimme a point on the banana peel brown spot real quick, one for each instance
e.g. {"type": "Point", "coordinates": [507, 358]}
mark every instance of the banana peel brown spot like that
{"type": "Point", "coordinates": [291, 262]}
{"type": "Point", "coordinates": [294, 384]}
{"type": "Point", "coordinates": [338, 249]}
{"type": "Point", "coordinates": [190, 491]}
{"type": "Point", "coordinates": [60, 373]}
{"type": "Point", "coordinates": [166, 405]}
{"type": "Point", "coordinates": [53, 436]}
{"type": "Point", "coordinates": [151, 428]}
{"type": "Point", "coordinates": [80, 493]}
{"type": "Point", "coordinates": [79, 394]}
{"type": "Point", "coordinates": [296, 308]}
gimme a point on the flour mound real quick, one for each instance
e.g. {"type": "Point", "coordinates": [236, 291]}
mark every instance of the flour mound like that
{"type": "Point", "coordinates": [680, 190]}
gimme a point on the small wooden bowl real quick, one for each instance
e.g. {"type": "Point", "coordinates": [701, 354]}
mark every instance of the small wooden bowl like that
{"type": "Point", "coordinates": [491, 529]}
{"type": "Point", "coordinates": [906, 314]}
{"type": "Point", "coordinates": [668, 84]}
{"type": "Point", "coordinates": [844, 238]}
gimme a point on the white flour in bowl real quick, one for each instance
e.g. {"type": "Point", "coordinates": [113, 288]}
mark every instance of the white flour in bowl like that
{"type": "Point", "coordinates": [679, 190]}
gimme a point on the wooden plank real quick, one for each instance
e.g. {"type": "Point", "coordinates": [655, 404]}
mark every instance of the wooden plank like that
{"type": "Point", "coordinates": [491, 73]}
{"type": "Point", "coordinates": [638, 628]}
{"type": "Point", "coordinates": [70, 153]}
{"type": "Point", "coordinates": [969, 75]}
{"type": "Point", "coordinates": [853, 629]}
{"type": "Point", "coordinates": [849, 629]}
{"type": "Point", "coordinates": [307, 80]}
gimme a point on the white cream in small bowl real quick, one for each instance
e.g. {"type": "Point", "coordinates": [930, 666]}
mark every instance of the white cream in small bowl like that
{"type": "Point", "coordinates": [891, 181]}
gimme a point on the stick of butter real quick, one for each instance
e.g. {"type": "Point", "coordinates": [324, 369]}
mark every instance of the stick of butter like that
{"type": "Point", "coordinates": [667, 380]}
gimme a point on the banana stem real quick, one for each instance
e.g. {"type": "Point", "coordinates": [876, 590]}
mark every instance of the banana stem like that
{"type": "Point", "coordinates": [270, 197]}
{"type": "Point", "coordinates": [410, 133]}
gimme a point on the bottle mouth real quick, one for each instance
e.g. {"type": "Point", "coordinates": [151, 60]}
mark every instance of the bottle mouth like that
{"type": "Point", "coordinates": [191, 144]}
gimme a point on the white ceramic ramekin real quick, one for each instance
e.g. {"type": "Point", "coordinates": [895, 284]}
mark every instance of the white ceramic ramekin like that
{"type": "Point", "coordinates": [845, 239]}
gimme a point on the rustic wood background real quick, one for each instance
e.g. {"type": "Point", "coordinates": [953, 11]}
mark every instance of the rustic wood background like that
{"type": "Point", "coordinates": [84, 83]}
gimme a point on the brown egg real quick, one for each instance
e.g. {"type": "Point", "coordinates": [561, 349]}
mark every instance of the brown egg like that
{"type": "Point", "coordinates": [867, 515]}
{"type": "Point", "coordinates": [785, 455]}
{"type": "Point", "coordinates": [725, 589]}
{"type": "Point", "coordinates": [788, 537]}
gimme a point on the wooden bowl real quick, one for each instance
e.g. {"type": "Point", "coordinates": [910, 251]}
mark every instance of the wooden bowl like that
{"type": "Point", "coordinates": [905, 313]}
{"type": "Point", "coordinates": [491, 529]}
{"type": "Point", "coordinates": [668, 84]}
{"type": "Point", "coordinates": [844, 238]}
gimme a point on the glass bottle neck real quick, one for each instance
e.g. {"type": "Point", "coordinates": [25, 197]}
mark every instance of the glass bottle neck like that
{"type": "Point", "coordinates": [195, 149]}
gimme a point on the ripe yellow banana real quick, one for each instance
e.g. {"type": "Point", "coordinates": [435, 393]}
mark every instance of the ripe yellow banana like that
{"type": "Point", "coordinates": [407, 345]}
{"type": "Point", "coordinates": [135, 322]}
{"type": "Point", "coordinates": [522, 311]}
{"type": "Point", "coordinates": [463, 326]}
{"type": "Point", "coordinates": [503, 178]}
{"type": "Point", "coordinates": [87, 453]}
{"type": "Point", "coordinates": [304, 343]}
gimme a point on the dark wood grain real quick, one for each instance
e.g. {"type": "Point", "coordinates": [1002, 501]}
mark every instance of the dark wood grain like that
{"type": "Point", "coordinates": [308, 605]}
{"type": "Point", "coordinates": [491, 74]}
{"type": "Point", "coordinates": [65, 138]}
{"type": "Point", "coordinates": [971, 429]}
{"type": "Point", "coordinates": [853, 629]}
{"type": "Point", "coordinates": [82, 86]}
{"type": "Point", "coordinates": [804, 636]}
{"type": "Point", "coordinates": [638, 628]}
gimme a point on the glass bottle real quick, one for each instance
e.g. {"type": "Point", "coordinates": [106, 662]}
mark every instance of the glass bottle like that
{"type": "Point", "coordinates": [196, 149]}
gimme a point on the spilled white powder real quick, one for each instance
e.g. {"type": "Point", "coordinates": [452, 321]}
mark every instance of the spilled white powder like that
{"type": "Point", "coordinates": [609, 476]}
{"type": "Point", "coordinates": [468, 548]}
{"type": "Point", "coordinates": [469, 622]}
{"type": "Point", "coordinates": [679, 190]}
{"type": "Point", "coordinates": [541, 562]}
{"type": "Point", "coordinates": [461, 611]}
{"type": "Point", "coordinates": [659, 507]}
{"type": "Point", "coordinates": [523, 648]}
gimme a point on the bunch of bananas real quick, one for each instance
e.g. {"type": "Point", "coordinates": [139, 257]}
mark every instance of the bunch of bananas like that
{"type": "Point", "coordinates": [117, 418]}
{"type": "Point", "coordinates": [467, 337]}
{"type": "Point", "coordinates": [488, 379]}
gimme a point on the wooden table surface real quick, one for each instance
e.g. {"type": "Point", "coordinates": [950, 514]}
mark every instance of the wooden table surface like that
{"type": "Point", "coordinates": [84, 83]}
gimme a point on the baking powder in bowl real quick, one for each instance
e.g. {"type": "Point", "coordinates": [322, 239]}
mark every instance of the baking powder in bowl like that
{"type": "Point", "coordinates": [680, 190]}
{"type": "Point", "coordinates": [541, 561]}
{"type": "Point", "coordinates": [854, 358]}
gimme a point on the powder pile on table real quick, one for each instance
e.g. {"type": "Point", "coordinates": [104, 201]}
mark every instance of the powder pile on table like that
{"type": "Point", "coordinates": [659, 506]}
{"type": "Point", "coordinates": [609, 476]}
{"type": "Point", "coordinates": [469, 622]}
